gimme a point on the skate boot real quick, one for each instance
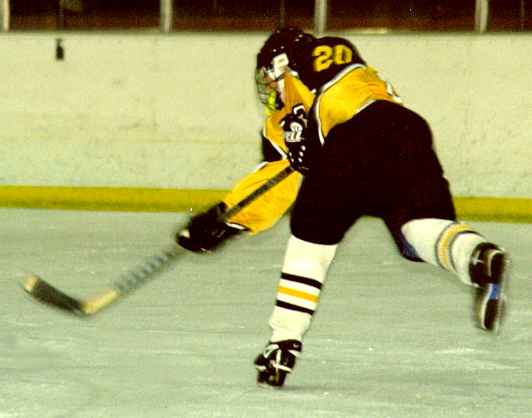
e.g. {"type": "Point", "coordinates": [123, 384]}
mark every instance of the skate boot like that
{"type": "Point", "coordinates": [276, 361]}
{"type": "Point", "coordinates": [489, 273]}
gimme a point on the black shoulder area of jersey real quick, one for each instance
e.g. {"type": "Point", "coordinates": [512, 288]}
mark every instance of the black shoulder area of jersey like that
{"type": "Point", "coordinates": [329, 55]}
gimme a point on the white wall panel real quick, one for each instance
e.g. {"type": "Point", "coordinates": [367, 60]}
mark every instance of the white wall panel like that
{"type": "Point", "coordinates": [180, 110]}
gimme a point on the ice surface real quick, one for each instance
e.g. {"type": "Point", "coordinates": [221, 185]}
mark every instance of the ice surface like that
{"type": "Point", "coordinates": [390, 339]}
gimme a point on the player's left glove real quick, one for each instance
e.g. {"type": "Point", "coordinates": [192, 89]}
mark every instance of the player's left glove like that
{"type": "Point", "coordinates": [206, 231]}
{"type": "Point", "coordinates": [300, 152]}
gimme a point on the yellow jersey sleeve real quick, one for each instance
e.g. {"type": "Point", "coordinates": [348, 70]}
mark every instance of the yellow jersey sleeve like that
{"type": "Point", "coordinates": [264, 212]}
{"type": "Point", "coordinates": [267, 209]}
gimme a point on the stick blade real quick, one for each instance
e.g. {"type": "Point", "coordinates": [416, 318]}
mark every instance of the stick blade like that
{"type": "Point", "coordinates": [44, 292]}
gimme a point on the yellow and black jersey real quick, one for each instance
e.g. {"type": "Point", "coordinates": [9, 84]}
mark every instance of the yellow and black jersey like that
{"type": "Point", "coordinates": [334, 86]}
{"type": "Point", "coordinates": [344, 84]}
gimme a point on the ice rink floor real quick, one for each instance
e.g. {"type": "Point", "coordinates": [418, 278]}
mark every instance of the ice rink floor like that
{"type": "Point", "coordinates": [390, 339]}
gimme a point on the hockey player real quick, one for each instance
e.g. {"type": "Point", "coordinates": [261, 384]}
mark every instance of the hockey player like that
{"type": "Point", "coordinates": [361, 152]}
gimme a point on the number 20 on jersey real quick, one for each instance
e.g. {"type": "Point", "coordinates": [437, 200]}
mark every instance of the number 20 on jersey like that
{"type": "Point", "coordinates": [326, 55]}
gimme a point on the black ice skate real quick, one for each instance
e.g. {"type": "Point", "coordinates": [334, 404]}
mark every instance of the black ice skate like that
{"type": "Point", "coordinates": [276, 361]}
{"type": "Point", "coordinates": [489, 272]}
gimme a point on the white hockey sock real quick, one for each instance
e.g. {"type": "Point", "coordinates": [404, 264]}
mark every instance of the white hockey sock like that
{"type": "Point", "coordinates": [444, 243]}
{"type": "Point", "coordinates": [303, 273]}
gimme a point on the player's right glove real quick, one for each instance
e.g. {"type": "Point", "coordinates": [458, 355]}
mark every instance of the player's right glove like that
{"type": "Point", "coordinates": [206, 231]}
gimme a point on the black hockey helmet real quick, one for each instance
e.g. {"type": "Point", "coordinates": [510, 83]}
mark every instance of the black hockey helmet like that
{"type": "Point", "coordinates": [286, 47]}
{"type": "Point", "coordinates": [290, 40]}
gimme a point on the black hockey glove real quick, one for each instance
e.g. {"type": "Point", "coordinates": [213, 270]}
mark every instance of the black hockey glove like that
{"type": "Point", "coordinates": [206, 231]}
{"type": "Point", "coordinates": [300, 153]}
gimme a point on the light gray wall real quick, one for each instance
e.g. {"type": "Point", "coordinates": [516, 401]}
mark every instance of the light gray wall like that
{"type": "Point", "coordinates": [180, 111]}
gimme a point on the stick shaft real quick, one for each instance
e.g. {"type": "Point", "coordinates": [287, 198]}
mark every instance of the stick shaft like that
{"type": "Point", "coordinates": [133, 279]}
{"type": "Point", "coordinates": [137, 277]}
{"type": "Point", "coordinates": [259, 192]}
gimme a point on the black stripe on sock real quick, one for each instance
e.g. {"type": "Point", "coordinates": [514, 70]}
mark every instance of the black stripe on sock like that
{"type": "Point", "coordinates": [300, 279]}
{"type": "Point", "coordinates": [291, 307]}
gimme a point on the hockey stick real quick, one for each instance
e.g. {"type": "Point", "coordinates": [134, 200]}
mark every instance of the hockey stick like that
{"type": "Point", "coordinates": [44, 292]}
